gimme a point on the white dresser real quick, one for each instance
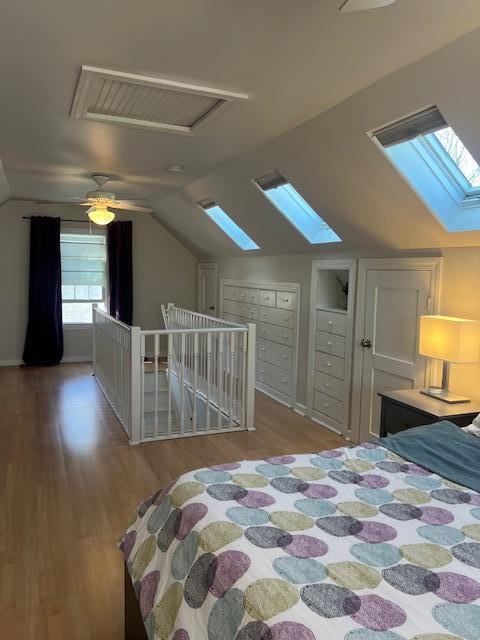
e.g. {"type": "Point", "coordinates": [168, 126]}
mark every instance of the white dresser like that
{"type": "Point", "coordinates": [274, 308]}
{"type": "Point", "coordinates": [330, 345]}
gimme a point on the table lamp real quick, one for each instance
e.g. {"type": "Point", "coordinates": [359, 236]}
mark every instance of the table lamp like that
{"type": "Point", "coordinates": [451, 340]}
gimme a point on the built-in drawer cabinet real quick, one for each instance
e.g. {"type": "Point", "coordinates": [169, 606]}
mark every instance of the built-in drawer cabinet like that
{"type": "Point", "coordinates": [282, 317]}
{"type": "Point", "coordinates": [276, 333]}
{"type": "Point", "coordinates": [286, 300]}
{"type": "Point", "coordinates": [267, 298]}
{"type": "Point", "coordinates": [330, 343]}
{"type": "Point", "coordinates": [329, 385]}
{"type": "Point", "coordinates": [275, 311]}
{"type": "Point", "coordinates": [330, 364]}
{"type": "Point", "coordinates": [277, 354]}
{"type": "Point", "coordinates": [332, 322]}
{"type": "Point", "coordinates": [275, 377]}
{"type": "Point", "coordinates": [329, 406]}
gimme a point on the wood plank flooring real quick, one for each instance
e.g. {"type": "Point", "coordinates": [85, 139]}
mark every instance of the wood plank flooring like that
{"type": "Point", "coordinates": [69, 482]}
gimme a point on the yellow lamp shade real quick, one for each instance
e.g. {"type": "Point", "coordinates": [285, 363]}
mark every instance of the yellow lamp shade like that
{"type": "Point", "coordinates": [99, 214]}
{"type": "Point", "coordinates": [450, 339]}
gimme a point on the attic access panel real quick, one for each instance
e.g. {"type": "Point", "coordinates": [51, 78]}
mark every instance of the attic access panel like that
{"type": "Point", "coordinates": [146, 102]}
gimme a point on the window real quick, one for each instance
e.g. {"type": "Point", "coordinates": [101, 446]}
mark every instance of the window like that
{"type": "Point", "coordinates": [84, 260]}
{"type": "Point", "coordinates": [228, 226]}
{"type": "Point", "coordinates": [438, 165]}
{"type": "Point", "coordinates": [296, 210]}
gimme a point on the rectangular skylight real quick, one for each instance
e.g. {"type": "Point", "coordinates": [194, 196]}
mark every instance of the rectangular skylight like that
{"type": "Point", "coordinates": [296, 210]}
{"type": "Point", "coordinates": [228, 226]}
{"type": "Point", "coordinates": [437, 164]}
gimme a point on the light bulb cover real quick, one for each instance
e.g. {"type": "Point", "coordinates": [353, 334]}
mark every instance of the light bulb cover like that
{"type": "Point", "coordinates": [99, 214]}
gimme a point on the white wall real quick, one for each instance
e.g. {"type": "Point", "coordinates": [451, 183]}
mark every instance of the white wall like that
{"type": "Point", "coordinates": [459, 295]}
{"type": "Point", "coordinates": [163, 271]}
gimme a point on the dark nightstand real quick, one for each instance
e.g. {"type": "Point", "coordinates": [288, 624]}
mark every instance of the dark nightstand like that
{"type": "Point", "coordinates": [409, 408]}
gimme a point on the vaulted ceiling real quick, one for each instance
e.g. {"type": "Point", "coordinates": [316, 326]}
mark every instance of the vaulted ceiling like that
{"type": "Point", "coordinates": [295, 59]}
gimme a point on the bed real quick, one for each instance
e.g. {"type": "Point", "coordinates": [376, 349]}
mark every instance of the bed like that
{"type": "Point", "coordinates": [376, 542]}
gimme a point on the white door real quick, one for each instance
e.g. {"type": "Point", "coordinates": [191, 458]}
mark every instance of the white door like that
{"type": "Point", "coordinates": [207, 288]}
{"type": "Point", "coordinates": [393, 302]}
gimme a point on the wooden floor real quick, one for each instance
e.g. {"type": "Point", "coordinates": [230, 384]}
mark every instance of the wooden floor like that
{"type": "Point", "coordinates": [69, 483]}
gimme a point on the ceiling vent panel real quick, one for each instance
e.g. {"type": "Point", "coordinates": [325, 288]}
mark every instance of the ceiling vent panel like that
{"type": "Point", "coordinates": [147, 102]}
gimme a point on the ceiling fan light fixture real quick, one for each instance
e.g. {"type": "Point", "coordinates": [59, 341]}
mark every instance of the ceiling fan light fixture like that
{"type": "Point", "coordinates": [100, 214]}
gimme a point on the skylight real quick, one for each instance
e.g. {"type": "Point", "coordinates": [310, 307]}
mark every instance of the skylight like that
{"type": "Point", "coordinates": [296, 210]}
{"type": "Point", "coordinates": [438, 165]}
{"type": "Point", "coordinates": [228, 226]}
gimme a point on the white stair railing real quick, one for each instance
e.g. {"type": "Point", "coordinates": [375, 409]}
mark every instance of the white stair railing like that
{"type": "Point", "coordinates": [205, 383]}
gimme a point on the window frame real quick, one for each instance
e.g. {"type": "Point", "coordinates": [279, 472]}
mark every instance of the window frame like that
{"type": "Point", "coordinates": [69, 326]}
{"type": "Point", "coordinates": [425, 164]}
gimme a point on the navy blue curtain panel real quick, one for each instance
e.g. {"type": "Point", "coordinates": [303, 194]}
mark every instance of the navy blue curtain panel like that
{"type": "Point", "coordinates": [120, 271]}
{"type": "Point", "coordinates": [44, 339]}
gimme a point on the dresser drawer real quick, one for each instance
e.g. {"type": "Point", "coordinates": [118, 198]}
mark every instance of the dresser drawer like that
{"type": "Point", "coordinates": [248, 311]}
{"type": "Point", "coordinates": [329, 406]}
{"type": "Point", "coordinates": [274, 377]}
{"type": "Point", "coordinates": [332, 322]}
{"type": "Point", "coordinates": [248, 295]}
{"type": "Point", "coordinates": [330, 364]}
{"type": "Point", "coordinates": [236, 319]}
{"type": "Point", "coordinates": [286, 300]}
{"type": "Point", "coordinates": [276, 333]}
{"type": "Point", "coordinates": [277, 354]}
{"type": "Point", "coordinates": [330, 343]}
{"type": "Point", "coordinates": [266, 298]}
{"type": "Point", "coordinates": [282, 317]}
{"type": "Point", "coordinates": [231, 307]}
{"type": "Point", "coordinates": [329, 385]}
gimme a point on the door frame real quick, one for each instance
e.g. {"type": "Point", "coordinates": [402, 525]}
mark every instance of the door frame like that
{"type": "Point", "coordinates": [214, 267]}
{"type": "Point", "coordinates": [432, 264]}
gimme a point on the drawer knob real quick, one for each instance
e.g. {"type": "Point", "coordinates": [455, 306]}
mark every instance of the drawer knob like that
{"type": "Point", "coordinates": [284, 357]}
{"type": "Point", "coordinates": [267, 297]}
{"type": "Point", "coordinates": [328, 385]}
{"type": "Point", "coordinates": [264, 331]}
{"type": "Point", "coordinates": [329, 364]}
{"type": "Point", "coordinates": [327, 406]}
{"type": "Point", "coordinates": [285, 318]}
{"type": "Point", "coordinates": [262, 348]}
{"type": "Point", "coordinates": [264, 314]}
{"type": "Point", "coordinates": [262, 371]}
{"type": "Point", "coordinates": [285, 336]}
{"type": "Point", "coordinates": [329, 343]}
{"type": "Point", "coordinates": [330, 322]}
{"type": "Point", "coordinates": [284, 381]}
{"type": "Point", "coordinates": [285, 299]}
{"type": "Point", "coordinates": [243, 295]}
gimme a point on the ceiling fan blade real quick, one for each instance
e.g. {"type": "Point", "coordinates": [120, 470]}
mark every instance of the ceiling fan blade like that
{"type": "Point", "coordinates": [363, 5]}
{"type": "Point", "coordinates": [64, 202]}
{"type": "Point", "coordinates": [125, 206]}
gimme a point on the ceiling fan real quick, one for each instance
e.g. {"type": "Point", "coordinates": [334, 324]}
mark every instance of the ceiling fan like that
{"type": "Point", "coordinates": [363, 5]}
{"type": "Point", "coordinates": [99, 202]}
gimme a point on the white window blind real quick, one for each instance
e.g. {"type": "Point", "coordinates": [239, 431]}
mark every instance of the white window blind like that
{"type": "Point", "coordinates": [411, 127]}
{"type": "Point", "coordinates": [84, 258]}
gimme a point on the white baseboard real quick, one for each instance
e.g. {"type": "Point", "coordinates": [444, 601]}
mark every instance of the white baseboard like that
{"type": "Point", "coordinates": [67, 360]}
{"type": "Point", "coordinates": [72, 359]}
{"type": "Point", "coordinates": [10, 363]}
{"type": "Point", "coordinates": [301, 409]}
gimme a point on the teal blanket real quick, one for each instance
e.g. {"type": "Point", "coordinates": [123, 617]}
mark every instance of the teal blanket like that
{"type": "Point", "coordinates": [442, 448]}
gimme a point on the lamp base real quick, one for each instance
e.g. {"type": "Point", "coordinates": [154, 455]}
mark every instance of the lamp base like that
{"type": "Point", "coordinates": [444, 395]}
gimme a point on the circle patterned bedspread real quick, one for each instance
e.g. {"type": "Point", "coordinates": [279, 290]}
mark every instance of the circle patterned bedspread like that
{"type": "Point", "coordinates": [354, 543]}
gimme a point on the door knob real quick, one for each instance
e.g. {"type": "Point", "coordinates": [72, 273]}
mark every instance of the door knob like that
{"type": "Point", "coordinates": [366, 343]}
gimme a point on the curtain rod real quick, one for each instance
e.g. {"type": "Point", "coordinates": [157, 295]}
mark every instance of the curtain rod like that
{"type": "Point", "coordinates": [61, 219]}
